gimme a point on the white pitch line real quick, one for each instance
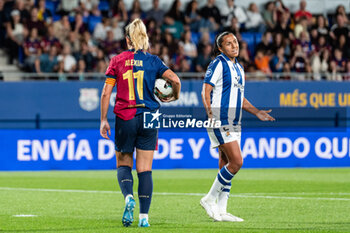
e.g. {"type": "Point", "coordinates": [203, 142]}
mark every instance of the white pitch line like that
{"type": "Point", "coordinates": [24, 215]}
{"type": "Point", "coordinates": [175, 194]}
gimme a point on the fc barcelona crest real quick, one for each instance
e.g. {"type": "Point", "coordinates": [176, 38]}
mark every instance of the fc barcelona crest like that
{"type": "Point", "coordinates": [88, 99]}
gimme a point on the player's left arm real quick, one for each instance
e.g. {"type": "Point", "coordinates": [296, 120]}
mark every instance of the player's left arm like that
{"type": "Point", "coordinates": [172, 78]}
{"type": "Point", "coordinates": [263, 115]}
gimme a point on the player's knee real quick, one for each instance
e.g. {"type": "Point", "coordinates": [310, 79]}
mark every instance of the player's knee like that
{"type": "Point", "coordinates": [235, 166]}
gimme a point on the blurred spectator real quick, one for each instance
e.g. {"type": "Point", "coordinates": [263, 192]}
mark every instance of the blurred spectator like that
{"type": "Point", "coordinates": [74, 43]}
{"type": "Point", "coordinates": [15, 35]}
{"type": "Point", "coordinates": [211, 18]}
{"type": "Point", "coordinates": [100, 31]}
{"type": "Point", "coordinates": [117, 29]}
{"type": "Point", "coordinates": [136, 11]}
{"type": "Point", "coordinates": [43, 13]}
{"type": "Point", "coordinates": [334, 76]}
{"type": "Point", "coordinates": [85, 55]}
{"type": "Point", "coordinates": [110, 46]}
{"type": "Point", "coordinates": [244, 55]}
{"type": "Point", "coordinates": [31, 49]}
{"type": "Point", "coordinates": [277, 42]}
{"type": "Point", "coordinates": [343, 46]}
{"type": "Point", "coordinates": [62, 29]}
{"type": "Point", "coordinates": [255, 22]}
{"type": "Point", "coordinates": [33, 22]}
{"type": "Point", "coordinates": [303, 13]}
{"type": "Point", "coordinates": [190, 48]}
{"type": "Point", "coordinates": [283, 27]}
{"type": "Point", "coordinates": [322, 44]}
{"type": "Point", "coordinates": [322, 26]}
{"type": "Point", "coordinates": [175, 28]}
{"type": "Point", "coordinates": [24, 13]}
{"type": "Point", "coordinates": [169, 42]}
{"type": "Point", "coordinates": [179, 57]}
{"type": "Point", "coordinates": [340, 10]}
{"type": "Point", "coordinates": [192, 16]}
{"type": "Point", "coordinates": [266, 45]}
{"type": "Point", "coordinates": [78, 25]}
{"type": "Point", "coordinates": [3, 21]}
{"type": "Point", "coordinates": [319, 64]}
{"type": "Point", "coordinates": [339, 60]}
{"type": "Point", "coordinates": [270, 15]}
{"type": "Point", "coordinates": [50, 40]}
{"type": "Point", "coordinates": [204, 40]}
{"type": "Point", "coordinates": [346, 76]}
{"type": "Point", "coordinates": [68, 6]}
{"type": "Point", "coordinates": [278, 60]}
{"type": "Point", "coordinates": [47, 62]}
{"type": "Point", "coordinates": [175, 12]}
{"type": "Point", "coordinates": [202, 61]}
{"type": "Point", "coordinates": [101, 64]}
{"type": "Point", "coordinates": [90, 42]}
{"type": "Point", "coordinates": [156, 13]}
{"type": "Point", "coordinates": [67, 62]}
{"type": "Point", "coordinates": [339, 29]}
{"type": "Point", "coordinates": [88, 5]}
{"type": "Point", "coordinates": [299, 61]}
{"type": "Point", "coordinates": [234, 27]}
{"type": "Point", "coordinates": [281, 11]}
{"type": "Point", "coordinates": [305, 43]}
{"type": "Point", "coordinates": [262, 62]}
{"type": "Point", "coordinates": [154, 32]}
{"type": "Point", "coordinates": [300, 27]}
{"type": "Point", "coordinates": [120, 12]}
{"type": "Point", "coordinates": [234, 11]}
{"type": "Point", "coordinates": [164, 55]}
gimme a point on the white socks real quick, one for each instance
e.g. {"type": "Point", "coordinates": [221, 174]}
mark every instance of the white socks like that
{"type": "Point", "coordinates": [141, 216]}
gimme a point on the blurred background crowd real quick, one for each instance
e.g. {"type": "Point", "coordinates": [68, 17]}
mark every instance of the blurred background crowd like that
{"type": "Point", "coordinates": [52, 36]}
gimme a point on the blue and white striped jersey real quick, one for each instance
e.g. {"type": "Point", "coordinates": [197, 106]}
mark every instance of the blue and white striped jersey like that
{"type": "Point", "coordinates": [228, 81]}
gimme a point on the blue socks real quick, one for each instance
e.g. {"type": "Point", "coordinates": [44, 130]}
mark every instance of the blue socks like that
{"type": "Point", "coordinates": [145, 191]}
{"type": "Point", "coordinates": [225, 177]}
{"type": "Point", "coordinates": [125, 180]}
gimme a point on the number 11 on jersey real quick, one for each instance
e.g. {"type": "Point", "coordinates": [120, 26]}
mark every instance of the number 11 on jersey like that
{"type": "Point", "coordinates": [130, 76]}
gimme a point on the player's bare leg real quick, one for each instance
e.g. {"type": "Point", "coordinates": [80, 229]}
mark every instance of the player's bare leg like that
{"type": "Point", "coordinates": [126, 181]}
{"type": "Point", "coordinates": [233, 155]}
{"type": "Point", "coordinates": [144, 159]}
{"type": "Point", "coordinates": [225, 193]}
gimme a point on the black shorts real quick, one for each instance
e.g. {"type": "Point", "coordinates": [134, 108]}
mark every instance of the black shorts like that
{"type": "Point", "coordinates": [130, 134]}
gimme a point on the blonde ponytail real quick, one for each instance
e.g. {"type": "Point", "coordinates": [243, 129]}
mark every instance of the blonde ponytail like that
{"type": "Point", "coordinates": [137, 34]}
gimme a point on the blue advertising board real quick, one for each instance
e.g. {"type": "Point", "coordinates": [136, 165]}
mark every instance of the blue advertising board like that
{"type": "Point", "coordinates": [76, 104]}
{"type": "Point", "coordinates": [85, 149]}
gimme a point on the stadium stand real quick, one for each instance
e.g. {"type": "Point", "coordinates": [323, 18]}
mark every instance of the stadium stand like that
{"type": "Point", "coordinates": [315, 44]}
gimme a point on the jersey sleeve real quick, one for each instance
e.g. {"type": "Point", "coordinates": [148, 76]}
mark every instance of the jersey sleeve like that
{"type": "Point", "coordinates": [111, 73]}
{"type": "Point", "coordinates": [214, 72]}
{"type": "Point", "coordinates": [160, 66]}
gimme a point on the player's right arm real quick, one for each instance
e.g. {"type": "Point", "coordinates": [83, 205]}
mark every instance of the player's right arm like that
{"type": "Point", "coordinates": [207, 89]}
{"type": "Point", "coordinates": [105, 97]}
{"type": "Point", "coordinates": [212, 75]}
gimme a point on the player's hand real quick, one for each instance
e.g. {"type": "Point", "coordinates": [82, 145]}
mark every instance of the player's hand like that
{"type": "Point", "coordinates": [264, 115]}
{"type": "Point", "coordinates": [104, 128]}
{"type": "Point", "coordinates": [167, 99]}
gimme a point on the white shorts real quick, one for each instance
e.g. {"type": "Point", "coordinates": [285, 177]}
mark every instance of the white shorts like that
{"type": "Point", "coordinates": [224, 134]}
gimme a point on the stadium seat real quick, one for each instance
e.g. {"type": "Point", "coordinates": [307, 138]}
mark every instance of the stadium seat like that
{"type": "Point", "coordinates": [51, 7]}
{"type": "Point", "coordinates": [103, 6]}
{"type": "Point", "coordinates": [249, 38]}
{"type": "Point", "coordinates": [56, 18]}
{"type": "Point", "coordinates": [195, 37]}
{"type": "Point", "coordinates": [93, 20]}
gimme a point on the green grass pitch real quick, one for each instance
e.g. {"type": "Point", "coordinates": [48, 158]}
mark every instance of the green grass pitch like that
{"type": "Point", "coordinates": [270, 200]}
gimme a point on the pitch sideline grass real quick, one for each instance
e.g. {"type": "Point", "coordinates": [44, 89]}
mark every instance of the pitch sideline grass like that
{"type": "Point", "coordinates": [270, 200]}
